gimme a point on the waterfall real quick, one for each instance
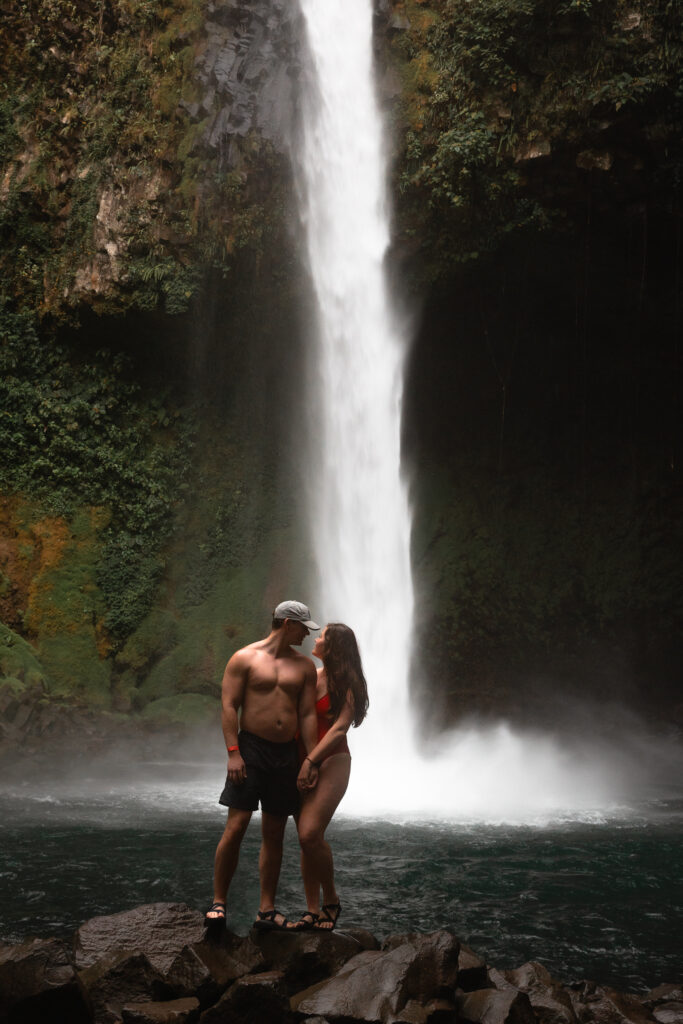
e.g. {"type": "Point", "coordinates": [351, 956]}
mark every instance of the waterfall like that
{"type": "Point", "coordinates": [360, 516]}
{"type": "Point", "coordinates": [359, 504]}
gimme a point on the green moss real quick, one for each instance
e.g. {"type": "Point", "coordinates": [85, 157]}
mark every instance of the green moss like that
{"type": "Point", "coordinates": [65, 608]}
{"type": "Point", "coordinates": [228, 615]}
{"type": "Point", "coordinates": [19, 662]}
{"type": "Point", "coordinates": [154, 636]}
{"type": "Point", "coordinates": [187, 709]}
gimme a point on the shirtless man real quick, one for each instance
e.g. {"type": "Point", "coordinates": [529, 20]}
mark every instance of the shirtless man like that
{"type": "Point", "coordinates": [269, 689]}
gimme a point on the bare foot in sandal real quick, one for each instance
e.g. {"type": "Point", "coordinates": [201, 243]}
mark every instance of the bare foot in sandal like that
{"type": "Point", "coordinates": [328, 917]}
{"type": "Point", "coordinates": [216, 913]}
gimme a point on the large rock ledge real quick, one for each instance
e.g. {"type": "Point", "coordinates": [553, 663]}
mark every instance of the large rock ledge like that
{"type": "Point", "coordinates": [158, 964]}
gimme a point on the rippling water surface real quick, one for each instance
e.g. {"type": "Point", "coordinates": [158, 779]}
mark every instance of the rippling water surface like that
{"type": "Point", "coordinates": [597, 896]}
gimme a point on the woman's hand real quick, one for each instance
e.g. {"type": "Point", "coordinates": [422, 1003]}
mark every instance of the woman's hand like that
{"type": "Point", "coordinates": [308, 776]}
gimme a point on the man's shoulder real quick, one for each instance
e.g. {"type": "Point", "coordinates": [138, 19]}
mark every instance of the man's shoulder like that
{"type": "Point", "coordinates": [244, 655]}
{"type": "Point", "coordinates": [307, 664]}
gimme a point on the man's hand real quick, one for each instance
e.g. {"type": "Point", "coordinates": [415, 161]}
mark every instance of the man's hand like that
{"type": "Point", "coordinates": [237, 770]}
{"type": "Point", "coordinates": [308, 776]}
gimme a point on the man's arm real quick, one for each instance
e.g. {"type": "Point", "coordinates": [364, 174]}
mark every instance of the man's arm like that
{"type": "Point", "coordinates": [308, 721]}
{"type": "Point", "coordinates": [232, 698]}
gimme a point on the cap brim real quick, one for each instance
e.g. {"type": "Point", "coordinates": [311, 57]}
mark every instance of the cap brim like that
{"type": "Point", "coordinates": [311, 624]}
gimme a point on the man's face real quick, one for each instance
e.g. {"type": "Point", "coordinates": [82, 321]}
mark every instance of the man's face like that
{"type": "Point", "coordinates": [296, 632]}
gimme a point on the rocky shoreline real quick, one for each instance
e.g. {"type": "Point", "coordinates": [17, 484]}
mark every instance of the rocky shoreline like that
{"type": "Point", "coordinates": [158, 964]}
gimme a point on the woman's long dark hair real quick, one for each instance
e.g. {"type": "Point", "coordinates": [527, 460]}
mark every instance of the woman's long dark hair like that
{"type": "Point", "coordinates": [344, 671]}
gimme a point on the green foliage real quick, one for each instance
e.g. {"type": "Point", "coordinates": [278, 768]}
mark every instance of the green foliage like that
{"type": "Point", "coordinates": [78, 431]}
{"type": "Point", "coordinates": [9, 137]}
{"type": "Point", "coordinates": [20, 668]}
{"type": "Point", "coordinates": [94, 109]}
{"type": "Point", "coordinates": [491, 85]}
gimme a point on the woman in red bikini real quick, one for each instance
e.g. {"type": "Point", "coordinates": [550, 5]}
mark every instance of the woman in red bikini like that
{"type": "Point", "coordinates": [342, 701]}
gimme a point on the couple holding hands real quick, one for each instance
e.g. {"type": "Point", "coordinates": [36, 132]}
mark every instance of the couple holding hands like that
{"type": "Point", "coordinates": [285, 728]}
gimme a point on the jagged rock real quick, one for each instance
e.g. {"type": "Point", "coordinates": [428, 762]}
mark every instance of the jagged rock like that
{"type": "Point", "coordinates": [471, 971]}
{"type": "Point", "coordinates": [306, 957]}
{"type": "Point", "coordinates": [228, 957]}
{"type": "Point", "coordinates": [670, 1012]}
{"type": "Point", "coordinates": [496, 979]}
{"type": "Point", "coordinates": [592, 1002]}
{"type": "Point", "coordinates": [550, 1002]}
{"type": "Point", "coordinates": [38, 983]}
{"type": "Point", "coordinates": [176, 1011]}
{"type": "Point", "coordinates": [162, 930]}
{"type": "Point", "coordinates": [378, 985]}
{"type": "Point", "coordinates": [119, 979]}
{"type": "Point", "coordinates": [494, 1006]}
{"type": "Point", "coordinates": [364, 937]}
{"type": "Point", "coordinates": [189, 975]}
{"type": "Point", "coordinates": [256, 997]}
{"type": "Point", "coordinates": [247, 71]}
{"type": "Point", "coordinates": [663, 994]}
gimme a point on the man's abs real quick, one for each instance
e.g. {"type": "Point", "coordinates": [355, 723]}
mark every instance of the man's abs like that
{"type": "Point", "coordinates": [270, 714]}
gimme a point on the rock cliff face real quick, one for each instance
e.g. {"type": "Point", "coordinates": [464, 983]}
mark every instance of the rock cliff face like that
{"type": "Point", "coordinates": [153, 312]}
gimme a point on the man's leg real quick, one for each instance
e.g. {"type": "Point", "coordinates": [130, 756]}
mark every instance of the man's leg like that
{"type": "Point", "coordinates": [228, 852]}
{"type": "Point", "coordinates": [270, 858]}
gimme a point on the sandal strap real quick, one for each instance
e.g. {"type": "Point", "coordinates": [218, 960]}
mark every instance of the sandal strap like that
{"type": "Point", "coordinates": [326, 911]}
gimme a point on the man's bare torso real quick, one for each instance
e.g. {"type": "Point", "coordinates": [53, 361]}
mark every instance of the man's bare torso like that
{"type": "Point", "coordinates": [271, 692]}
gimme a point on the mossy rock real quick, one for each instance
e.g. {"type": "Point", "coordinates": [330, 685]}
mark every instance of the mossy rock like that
{"type": "Point", "coordinates": [19, 661]}
{"type": "Point", "coordinates": [10, 686]}
{"type": "Point", "coordinates": [154, 637]}
{"type": "Point", "coordinates": [184, 709]}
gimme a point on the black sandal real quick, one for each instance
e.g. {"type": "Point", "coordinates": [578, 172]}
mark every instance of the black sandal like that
{"type": "Point", "coordinates": [326, 916]}
{"type": "Point", "coordinates": [265, 921]}
{"type": "Point", "coordinates": [217, 908]}
{"type": "Point", "coordinates": [304, 925]}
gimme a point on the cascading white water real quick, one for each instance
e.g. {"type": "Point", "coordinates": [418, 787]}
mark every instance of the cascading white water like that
{"type": "Point", "coordinates": [359, 510]}
{"type": "Point", "coordinates": [360, 515]}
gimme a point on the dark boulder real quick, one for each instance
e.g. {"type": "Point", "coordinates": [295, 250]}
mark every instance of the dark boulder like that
{"type": "Point", "coordinates": [254, 999]}
{"type": "Point", "coordinates": [119, 979]}
{"type": "Point", "coordinates": [38, 983]}
{"type": "Point", "coordinates": [306, 957]}
{"type": "Point", "coordinates": [550, 1002]}
{"type": "Point", "coordinates": [176, 1011]}
{"type": "Point", "coordinates": [664, 994]}
{"type": "Point", "coordinates": [493, 1006]}
{"type": "Point", "coordinates": [161, 930]}
{"type": "Point", "coordinates": [471, 971]}
{"type": "Point", "coordinates": [379, 985]}
{"type": "Point", "coordinates": [670, 1012]}
{"type": "Point", "coordinates": [592, 1002]}
{"type": "Point", "coordinates": [366, 939]}
{"type": "Point", "coordinates": [228, 957]}
{"type": "Point", "coordinates": [188, 975]}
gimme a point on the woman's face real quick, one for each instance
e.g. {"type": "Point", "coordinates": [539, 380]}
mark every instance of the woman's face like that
{"type": "Point", "coordinates": [319, 647]}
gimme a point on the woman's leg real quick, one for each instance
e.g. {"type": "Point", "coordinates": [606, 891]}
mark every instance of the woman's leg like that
{"type": "Point", "coordinates": [317, 808]}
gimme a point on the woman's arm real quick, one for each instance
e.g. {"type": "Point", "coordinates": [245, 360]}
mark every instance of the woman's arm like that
{"type": "Point", "coordinates": [337, 730]}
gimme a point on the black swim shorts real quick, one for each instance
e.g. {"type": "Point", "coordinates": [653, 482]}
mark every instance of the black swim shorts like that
{"type": "Point", "coordinates": [272, 770]}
